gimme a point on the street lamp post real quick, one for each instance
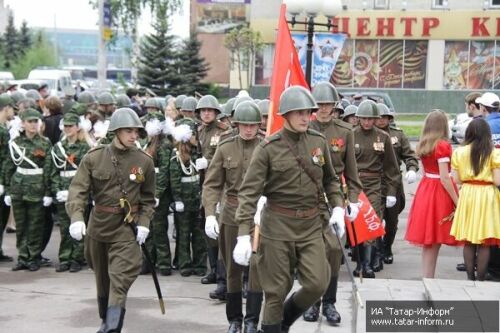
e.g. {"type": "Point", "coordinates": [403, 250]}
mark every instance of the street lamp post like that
{"type": "Point", "coordinates": [329, 8]}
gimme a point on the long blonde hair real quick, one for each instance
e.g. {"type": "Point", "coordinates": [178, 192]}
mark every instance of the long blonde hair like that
{"type": "Point", "coordinates": [435, 129]}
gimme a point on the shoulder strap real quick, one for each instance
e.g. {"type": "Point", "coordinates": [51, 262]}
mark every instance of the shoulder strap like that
{"type": "Point", "coordinates": [22, 155]}
{"type": "Point", "coordinates": [63, 152]}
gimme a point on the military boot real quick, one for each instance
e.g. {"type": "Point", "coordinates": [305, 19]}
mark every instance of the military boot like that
{"type": "Point", "coordinates": [312, 314]}
{"type": "Point", "coordinates": [366, 261]}
{"type": "Point", "coordinates": [329, 299]}
{"type": "Point", "coordinates": [114, 319]}
{"type": "Point", "coordinates": [211, 277]}
{"type": "Point", "coordinates": [221, 289]}
{"type": "Point", "coordinates": [291, 312]}
{"type": "Point", "coordinates": [253, 307]}
{"type": "Point", "coordinates": [388, 241]}
{"type": "Point", "coordinates": [102, 303]}
{"type": "Point", "coordinates": [276, 328]}
{"type": "Point", "coordinates": [234, 312]}
{"type": "Point", "coordinates": [378, 255]}
{"type": "Point", "coordinates": [359, 266]}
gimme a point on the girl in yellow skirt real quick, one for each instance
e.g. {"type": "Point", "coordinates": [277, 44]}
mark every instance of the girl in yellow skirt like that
{"type": "Point", "coordinates": [476, 166]}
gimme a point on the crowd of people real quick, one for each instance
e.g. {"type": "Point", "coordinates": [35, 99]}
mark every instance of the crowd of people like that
{"type": "Point", "coordinates": [250, 212]}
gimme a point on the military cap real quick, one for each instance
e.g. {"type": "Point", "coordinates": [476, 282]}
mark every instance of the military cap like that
{"type": "Point", "coordinates": [78, 109]}
{"type": "Point", "coordinates": [30, 114]}
{"type": "Point", "coordinates": [71, 119]}
{"type": "Point", "coordinates": [6, 100]}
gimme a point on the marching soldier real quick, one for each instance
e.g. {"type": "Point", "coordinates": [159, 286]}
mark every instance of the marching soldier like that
{"type": "Point", "coordinates": [122, 101]}
{"type": "Point", "coordinates": [209, 135]}
{"type": "Point", "coordinates": [107, 104]}
{"type": "Point", "coordinates": [376, 161]}
{"type": "Point", "coordinates": [223, 180]}
{"type": "Point", "coordinates": [27, 185]}
{"type": "Point", "coordinates": [264, 112]}
{"type": "Point", "coordinates": [340, 139]}
{"type": "Point", "coordinates": [294, 171]}
{"type": "Point", "coordinates": [404, 153]}
{"type": "Point", "coordinates": [188, 107]}
{"type": "Point", "coordinates": [121, 179]}
{"type": "Point", "coordinates": [349, 115]}
{"type": "Point", "coordinates": [66, 155]}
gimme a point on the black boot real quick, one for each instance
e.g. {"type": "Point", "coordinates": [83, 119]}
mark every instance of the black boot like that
{"type": "Point", "coordinates": [114, 319]}
{"type": "Point", "coordinates": [253, 307]}
{"type": "Point", "coordinates": [220, 292]}
{"type": "Point", "coordinates": [366, 259]}
{"type": "Point", "coordinates": [102, 303]}
{"type": "Point", "coordinates": [234, 312]}
{"type": "Point", "coordinates": [312, 314]}
{"type": "Point", "coordinates": [291, 312]}
{"type": "Point", "coordinates": [378, 255]}
{"type": "Point", "coordinates": [329, 299]}
{"type": "Point", "coordinates": [211, 277]}
{"type": "Point", "coordinates": [276, 328]}
{"type": "Point", "coordinates": [388, 241]}
{"type": "Point", "coordinates": [359, 267]}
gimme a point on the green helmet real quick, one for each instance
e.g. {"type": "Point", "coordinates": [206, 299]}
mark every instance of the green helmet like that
{"type": "Point", "coordinates": [325, 92]}
{"type": "Point", "coordinates": [368, 109]}
{"type": "Point", "coordinates": [296, 98]}
{"type": "Point", "coordinates": [124, 118]}
{"type": "Point", "coordinates": [32, 93]}
{"type": "Point", "coordinates": [384, 110]}
{"type": "Point", "coordinates": [161, 102]}
{"type": "Point", "coordinates": [239, 100]}
{"type": "Point", "coordinates": [87, 97]}
{"type": "Point", "coordinates": [229, 107]}
{"type": "Point", "coordinates": [208, 102]}
{"type": "Point", "coordinates": [264, 107]}
{"type": "Point", "coordinates": [189, 104]}
{"type": "Point", "coordinates": [350, 110]}
{"type": "Point", "coordinates": [18, 96]}
{"type": "Point", "coordinates": [179, 100]}
{"type": "Point", "coordinates": [247, 112]}
{"type": "Point", "coordinates": [6, 100]}
{"type": "Point", "coordinates": [106, 98]}
{"type": "Point", "coordinates": [222, 115]}
{"type": "Point", "coordinates": [152, 103]}
{"type": "Point", "coordinates": [122, 101]}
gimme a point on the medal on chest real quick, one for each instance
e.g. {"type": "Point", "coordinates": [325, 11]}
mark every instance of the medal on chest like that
{"type": "Point", "coordinates": [317, 157]}
{"type": "Point", "coordinates": [214, 140]}
{"type": "Point", "coordinates": [378, 146]}
{"type": "Point", "coordinates": [337, 144]}
{"type": "Point", "coordinates": [394, 140]}
{"type": "Point", "coordinates": [136, 175]}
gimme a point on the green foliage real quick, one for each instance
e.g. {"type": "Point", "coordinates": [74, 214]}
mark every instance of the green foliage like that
{"type": "Point", "coordinates": [41, 54]}
{"type": "Point", "coordinates": [25, 42]}
{"type": "Point", "coordinates": [193, 68]}
{"type": "Point", "coordinates": [10, 44]}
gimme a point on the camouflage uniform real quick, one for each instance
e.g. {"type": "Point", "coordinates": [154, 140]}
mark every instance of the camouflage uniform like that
{"type": "Point", "coordinates": [185, 188]}
{"type": "Point", "coordinates": [27, 186]}
{"type": "Point", "coordinates": [4, 209]}
{"type": "Point", "coordinates": [64, 162]}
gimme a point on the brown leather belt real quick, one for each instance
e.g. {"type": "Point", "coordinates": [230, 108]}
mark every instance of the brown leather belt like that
{"type": "Point", "coordinates": [232, 200]}
{"type": "Point", "coordinates": [114, 210]}
{"type": "Point", "coordinates": [370, 174]}
{"type": "Point", "coordinates": [300, 213]}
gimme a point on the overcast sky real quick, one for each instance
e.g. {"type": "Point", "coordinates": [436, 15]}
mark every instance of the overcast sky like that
{"type": "Point", "coordinates": [78, 14]}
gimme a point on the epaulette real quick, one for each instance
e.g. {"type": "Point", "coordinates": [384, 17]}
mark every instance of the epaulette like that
{"type": "Point", "coordinates": [343, 124]}
{"type": "Point", "coordinates": [228, 132]}
{"type": "Point", "coordinates": [394, 127]}
{"type": "Point", "coordinates": [270, 139]}
{"type": "Point", "coordinates": [145, 153]}
{"type": "Point", "coordinates": [314, 132]}
{"type": "Point", "coordinates": [96, 148]}
{"type": "Point", "coordinates": [226, 140]}
{"type": "Point", "coordinates": [201, 127]}
{"type": "Point", "coordinates": [223, 126]}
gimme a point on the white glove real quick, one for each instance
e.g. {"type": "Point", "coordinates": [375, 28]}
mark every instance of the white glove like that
{"type": "Point", "coordinates": [212, 227]}
{"type": "Point", "coordinates": [2, 189]}
{"type": "Point", "coordinates": [8, 201]}
{"type": "Point", "coordinates": [260, 206]}
{"type": "Point", "coordinates": [390, 201]}
{"type": "Point", "coordinates": [337, 218]}
{"type": "Point", "coordinates": [77, 230]}
{"type": "Point", "coordinates": [142, 234]}
{"type": "Point", "coordinates": [217, 208]}
{"type": "Point", "coordinates": [243, 250]}
{"type": "Point", "coordinates": [47, 201]}
{"type": "Point", "coordinates": [62, 196]}
{"type": "Point", "coordinates": [354, 211]}
{"type": "Point", "coordinates": [157, 202]}
{"type": "Point", "coordinates": [411, 177]}
{"type": "Point", "coordinates": [201, 163]}
{"type": "Point", "coordinates": [179, 206]}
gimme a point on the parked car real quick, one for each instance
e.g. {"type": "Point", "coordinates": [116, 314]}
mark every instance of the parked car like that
{"type": "Point", "coordinates": [6, 76]}
{"type": "Point", "coordinates": [57, 80]}
{"type": "Point", "coordinates": [458, 126]}
{"type": "Point", "coordinates": [373, 95]}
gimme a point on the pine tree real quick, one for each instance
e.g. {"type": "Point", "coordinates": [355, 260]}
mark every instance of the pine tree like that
{"type": "Point", "coordinates": [192, 67]}
{"type": "Point", "coordinates": [25, 41]}
{"type": "Point", "coordinates": [158, 58]}
{"type": "Point", "coordinates": [10, 43]}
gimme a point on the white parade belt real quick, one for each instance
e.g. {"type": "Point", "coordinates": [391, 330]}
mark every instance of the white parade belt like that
{"type": "Point", "coordinates": [67, 174]}
{"type": "Point", "coordinates": [29, 172]}
{"type": "Point", "coordinates": [432, 175]}
{"type": "Point", "coordinates": [157, 170]}
{"type": "Point", "coordinates": [190, 179]}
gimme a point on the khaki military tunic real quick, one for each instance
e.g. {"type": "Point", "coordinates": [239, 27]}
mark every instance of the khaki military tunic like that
{"type": "Point", "coordinates": [291, 223]}
{"type": "Point", "coordinates": [209, 136]}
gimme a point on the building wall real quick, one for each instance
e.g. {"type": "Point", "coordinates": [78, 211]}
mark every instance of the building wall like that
{"type": "Point", "coordinates": [217, 56]}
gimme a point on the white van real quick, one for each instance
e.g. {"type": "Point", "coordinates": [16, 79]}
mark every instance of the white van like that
{"type": "Point", "coordinates": [6, 76]}
{"type": "Point", "coordinates": [56, 79]}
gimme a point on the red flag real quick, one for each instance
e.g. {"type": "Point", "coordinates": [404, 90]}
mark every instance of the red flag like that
{"type": "Point", "coordinates": [286, 72]}
{"type": "Point", "coordinates": [368, 225]}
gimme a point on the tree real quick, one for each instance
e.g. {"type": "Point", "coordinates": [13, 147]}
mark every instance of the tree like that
{"type": "Point", "coordinates": [10, 43]}
{"type": "Point", "coordinates": [25, 38]}
{"type": "Point", "coordinates": [244, 43]}
{"type": "Point", "coordinates": [192, 67]}
{"type": "Point", "coordinates": [157, 59]}
{"type": "Point", "coordinates": [40, 54]}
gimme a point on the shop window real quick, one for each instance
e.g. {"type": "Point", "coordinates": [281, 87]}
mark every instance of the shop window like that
{"type": "Point", "coordinates": [381, 4]}
{"type": "Point", "coordinates": [494, 3]}
{"type": "Point", "coordinates": [439, 3]}
{"type": "Point", "coordinates": [264, 65]}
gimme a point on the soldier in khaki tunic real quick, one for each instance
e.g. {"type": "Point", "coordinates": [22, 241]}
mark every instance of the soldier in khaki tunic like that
{"type": "Point", "coordinates": [376, 161]}
{"type": "Point", "coordinates": [349, 115]}
{"type": "Point", "coordinates": [121, 179]}
{"type": "Point", "coordinates": [404, 153]}
{"type": "Point", "coordinates": [209, 136]}
{"type": "Point", "coordinates": [292, 220]}
{"type": "Point", "coordinates": [224, 178]}
{"type": "Point", "coordinates": [340, 139]}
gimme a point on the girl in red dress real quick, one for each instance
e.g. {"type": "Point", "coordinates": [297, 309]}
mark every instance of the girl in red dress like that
{"type": "Point", "coordinates": [430, 217]}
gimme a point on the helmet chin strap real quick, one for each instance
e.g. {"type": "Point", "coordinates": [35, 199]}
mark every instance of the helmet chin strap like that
{"type": "Point", "coordinates": [290, 126]}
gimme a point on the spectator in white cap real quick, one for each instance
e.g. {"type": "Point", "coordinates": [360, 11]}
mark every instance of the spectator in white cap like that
{"type": "Point", "coordinates": [490, 103]}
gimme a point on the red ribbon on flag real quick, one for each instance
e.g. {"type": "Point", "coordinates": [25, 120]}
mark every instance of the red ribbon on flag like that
{"type": "Point", "coordinates": [367, 224]}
